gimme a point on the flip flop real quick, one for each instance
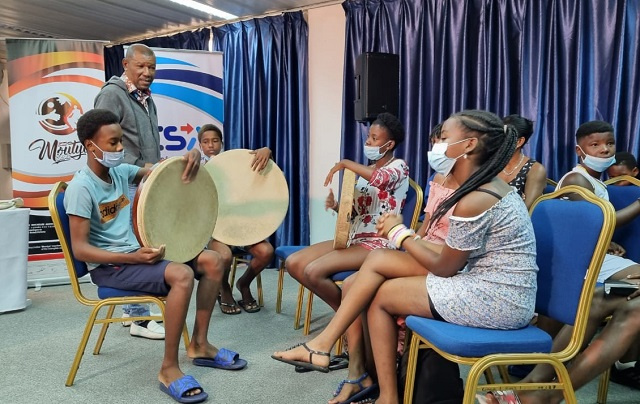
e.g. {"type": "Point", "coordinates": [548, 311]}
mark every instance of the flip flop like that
{"type": "Point", "coordinates": [179, 388]}
{"type": "Point", "coordinates": [365, 393]}
{"type": "Point", "coordinates": [307, 365]}
{"type": "Point", "coordinates": [225, 359]}
{"type": "Point", "coordinates": [249, 307]}
{"type": "Point", "coordinates": [230, 305]}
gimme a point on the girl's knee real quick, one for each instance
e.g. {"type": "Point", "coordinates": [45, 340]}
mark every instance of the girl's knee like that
{"type": "Point", "coordinates": [293, 266]}
{"type": "Point", "coordinates": [314, 274]}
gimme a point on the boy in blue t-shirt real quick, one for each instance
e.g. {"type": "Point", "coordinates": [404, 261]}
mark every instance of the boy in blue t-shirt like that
{"type": "Point", "coordinates": [99, 210]}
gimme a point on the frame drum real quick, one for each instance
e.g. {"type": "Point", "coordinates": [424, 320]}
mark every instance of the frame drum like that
{"type": "Point", "coordinates": [180, 216]}
{"type": "Point", "coordinates": [343, 223]}
{"type": "Point", "coordinates": [251, 204]}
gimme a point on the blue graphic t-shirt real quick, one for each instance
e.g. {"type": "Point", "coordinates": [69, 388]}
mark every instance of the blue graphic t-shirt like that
{"type": "Point", "coordinates": [107, 206]}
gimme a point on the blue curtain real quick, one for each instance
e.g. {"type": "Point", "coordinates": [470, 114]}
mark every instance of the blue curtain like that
{"type": "Point", "coordinates": [266, 103]}
{"type": "Point", "coordinates": [194, 40]}
{"type": "Point", "coordinates": [558, 62]}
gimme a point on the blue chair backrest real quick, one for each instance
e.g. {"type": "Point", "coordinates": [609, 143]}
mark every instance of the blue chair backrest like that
{"type": "Point", "coordinates": [79, 266]}
{"type": "Point", "coordinates": [566, 235]}
{"type": "Point", "coordinates": [549, 188]}
{"type": "Point", "coordinates": [409, 207]}
{"type": "Point", "coordinates": [628, 235]}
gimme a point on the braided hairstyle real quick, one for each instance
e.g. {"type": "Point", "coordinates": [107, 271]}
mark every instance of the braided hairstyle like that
{"type": "Point", "coordinates": [496, 144]}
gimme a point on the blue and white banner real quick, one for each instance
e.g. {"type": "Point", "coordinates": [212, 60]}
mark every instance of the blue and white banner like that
{"type": "Point", "coordinates": [188, 93]}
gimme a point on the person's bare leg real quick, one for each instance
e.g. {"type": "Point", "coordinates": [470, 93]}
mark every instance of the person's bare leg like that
{"type": "Point", "coordinates": [379, 265]}
{"type": "Point", "coordinates": [209, 264]}
{"type": "Point", "coordinates": [620, 333]}
{"type": "Point", "coordinates": [314, 265]}
{"type": "Point", "coordinates": [298, 261]}
{"type": "Point", "coordinates": [396, 296]}
{"type": "Point", "coordinates": [317, 274]}
{"type": "Point", "coordinates": [357, 357]}
{"type": "Point", "coordinates": [226, 295]}
{"type": "Point", "coordinates": [179, 277]}
{"type": "Point", "coordinates": [261, 256]}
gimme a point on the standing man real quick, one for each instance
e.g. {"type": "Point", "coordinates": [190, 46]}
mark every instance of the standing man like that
{"type": "Point", "coordinates": [129, 97]}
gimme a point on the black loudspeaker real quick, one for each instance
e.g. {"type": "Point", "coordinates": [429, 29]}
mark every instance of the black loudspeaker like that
{"type": "Point", "coordinates": [377, 85]}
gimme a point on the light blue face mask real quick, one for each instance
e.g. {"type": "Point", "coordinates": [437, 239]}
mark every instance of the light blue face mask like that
{"type": "Point", "coordinates": [109, 159]}
{"type": "Point", "coordinates": [373, 152]}
{"type": "Point", "coordinates": [439, 161]}
{"type": "Point", "coordinates": [597, 164]}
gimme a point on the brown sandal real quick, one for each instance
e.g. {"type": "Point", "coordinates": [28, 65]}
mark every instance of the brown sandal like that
{"type": "Point", "coordinates": [308, 365]}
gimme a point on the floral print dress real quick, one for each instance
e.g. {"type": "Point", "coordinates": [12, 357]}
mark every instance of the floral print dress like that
{"type": "Point", "coordinates": [386, 191]}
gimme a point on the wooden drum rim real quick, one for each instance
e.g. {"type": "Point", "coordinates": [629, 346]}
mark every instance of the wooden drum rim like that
{"type": "Point", "coordinates": [345, 209]}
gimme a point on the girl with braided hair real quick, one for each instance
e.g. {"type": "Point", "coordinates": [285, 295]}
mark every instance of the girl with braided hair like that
{"type": "Point", "coordinates": [490, 238]}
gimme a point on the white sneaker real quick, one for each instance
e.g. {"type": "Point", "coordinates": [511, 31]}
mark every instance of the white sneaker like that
{"type": "Point", "coordinates": [126, 323]}
{"type": "Point", "coordinates": [153, 330]}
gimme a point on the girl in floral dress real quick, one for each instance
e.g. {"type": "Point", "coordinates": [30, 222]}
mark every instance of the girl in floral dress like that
{"type": "Point", "coordinates": [381, 188]}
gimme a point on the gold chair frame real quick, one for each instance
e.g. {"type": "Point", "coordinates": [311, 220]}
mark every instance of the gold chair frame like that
{"type": "Point", "coordinates": [629, 178]}
{"type": "Point", "coordinates": [554, 359]}
{"type": "Point", "coordinates": [96, 304]}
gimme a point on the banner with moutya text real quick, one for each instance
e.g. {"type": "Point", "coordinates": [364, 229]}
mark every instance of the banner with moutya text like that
{"type": "Point", "coordinates": [51, 84]}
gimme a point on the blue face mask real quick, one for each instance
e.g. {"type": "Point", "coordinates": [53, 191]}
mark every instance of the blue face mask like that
{"type": "Point", "coordinates": [597, 164]}
{"type": "Point", "coordinates": [439, 161]}
{"type": "Point", "coordinates": [109, 159]}
{"type": "Point", "coordinates": [373, 152]}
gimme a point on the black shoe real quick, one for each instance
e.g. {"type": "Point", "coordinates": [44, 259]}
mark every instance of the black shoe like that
{"type": "Point", "coordinates": [628, 377]}
{"type": "Point", "coordinates": [519, 371]}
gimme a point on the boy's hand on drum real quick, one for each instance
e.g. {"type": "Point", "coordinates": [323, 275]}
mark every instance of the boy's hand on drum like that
{"type": "Point", "coordinates": [149, 255]}
{"type": "Point", "coordinates": [330, 202]}
{"type": "Point", "coordinates": [386, 222]}
{"type": "Point", "coordinates": [193, 165]}
{"type": "Point", "coordinates": [337, 167]}
{"type": "Point", "coordinates": [260, 158]}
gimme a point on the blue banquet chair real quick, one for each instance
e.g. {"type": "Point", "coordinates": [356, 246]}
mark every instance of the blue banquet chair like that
{"type": "Point", "coordinates": [566, 282]}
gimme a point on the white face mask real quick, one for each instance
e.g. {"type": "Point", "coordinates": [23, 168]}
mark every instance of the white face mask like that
{"type": "Point", "coordinates": [597, 164]}
{"type": "Point", "coordinates": [439, 161]}
{"type": "Point", "coordinates": [373, 152]}
{"type": "Point", "coordinates": [109, 159]}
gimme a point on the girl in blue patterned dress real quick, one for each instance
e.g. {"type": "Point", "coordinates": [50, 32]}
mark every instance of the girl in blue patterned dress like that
{"type": "Point", "coordinates": [490, 238]}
